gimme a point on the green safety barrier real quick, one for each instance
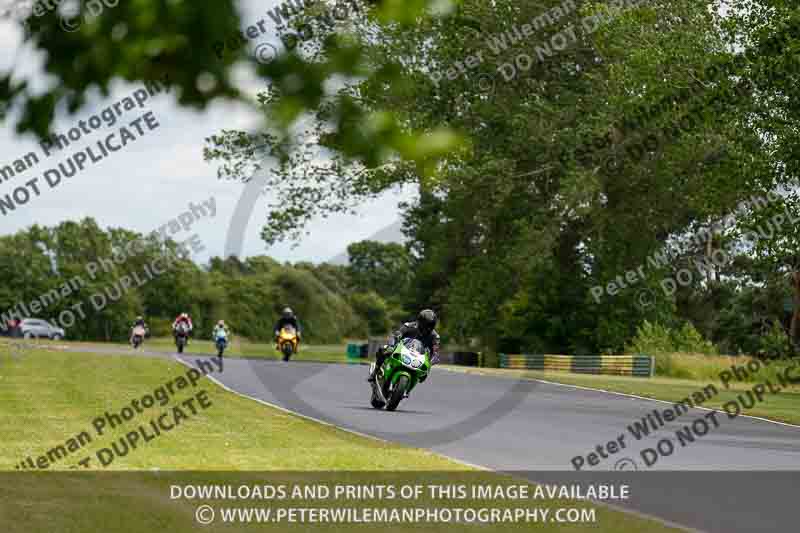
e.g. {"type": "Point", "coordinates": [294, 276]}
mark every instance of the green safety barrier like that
{"type": "Point", "coordinates": [617, 365]}
{"type": "Point", "coordinates": [354, 353]}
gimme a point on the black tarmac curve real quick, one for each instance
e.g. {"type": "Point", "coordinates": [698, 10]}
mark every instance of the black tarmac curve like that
{"type": "Point", "coordinates": [743, 475]}
{"type": "Point", "coordinates": [285, 391]}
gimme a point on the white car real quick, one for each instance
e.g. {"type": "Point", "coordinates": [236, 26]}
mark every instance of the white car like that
{"type": "Point", "coordinates": [35, 327]}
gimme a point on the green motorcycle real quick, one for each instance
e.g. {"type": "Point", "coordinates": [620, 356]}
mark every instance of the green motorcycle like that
{"type": "Point", "coordinates": [406, 366]}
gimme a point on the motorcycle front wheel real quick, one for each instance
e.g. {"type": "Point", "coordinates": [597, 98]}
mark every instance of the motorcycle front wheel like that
{"type": "Point", "coordinates": [398, 393]}
{"type": "Point", "coordinates": [376, 400]}
{"type": "Point", "coordinates": [287, 351]}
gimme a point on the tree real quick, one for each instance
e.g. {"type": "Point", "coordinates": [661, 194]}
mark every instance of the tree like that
{"type": "Point", "coordinates": [382, 268]}
{"type": "Point", "coordinates": [374, 310]}
{"type": "Point", "coordinates": [578, 168]}
{"type": "Point", "coordinates": [173, 43]}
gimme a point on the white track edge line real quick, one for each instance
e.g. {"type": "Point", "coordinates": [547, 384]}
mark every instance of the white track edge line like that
{"type": "Point", "coordinates": [670, 403]}
{"type": "Point", "coordinates": [317, 420]}
{"type": "Point", "coordinates": [633, 512]}
{"type": "Point", "coordinates": [622, 394]}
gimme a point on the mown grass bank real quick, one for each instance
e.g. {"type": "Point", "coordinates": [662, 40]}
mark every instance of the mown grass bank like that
{"type": "Point", "coordinates": [325, 353]}
{"type": "Point", "coordinates": [47, 397]}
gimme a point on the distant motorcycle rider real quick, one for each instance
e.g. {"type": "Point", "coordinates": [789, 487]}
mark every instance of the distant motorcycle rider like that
{"type": "Point", "coordinates": [183, 318]}
{"type": "Point", "coordinates": [220, 333]}
{"type": "Point", "coordinates": [220, 330]}
{"type": "Point", "coordinates": [287, 318]}
{"type": "Point", "coordinates": [423, 329]}
{"type": "Point", "coordinates": [139, 322]}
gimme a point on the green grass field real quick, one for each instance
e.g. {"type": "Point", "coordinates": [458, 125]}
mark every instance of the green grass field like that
{"type": "Point", "coordinates": [326, 353]}
{"type": "Point", "coordinates": [242, 348]}
{"type": "Point", "coordinates": [783, 407]}
{"type": "Point", "coordinates": [48, 397]}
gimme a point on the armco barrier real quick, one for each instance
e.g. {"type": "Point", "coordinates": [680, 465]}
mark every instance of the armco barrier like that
{"type": "Point", "coordinates": [618, 365]}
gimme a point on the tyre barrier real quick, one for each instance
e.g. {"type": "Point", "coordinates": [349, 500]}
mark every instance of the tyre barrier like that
{"type": "Point", "coordinates": [615, 365]}
{"type": "Point", "coordinates": [356, 352]}
{"type": "Point", "coordinates": [465, 358]}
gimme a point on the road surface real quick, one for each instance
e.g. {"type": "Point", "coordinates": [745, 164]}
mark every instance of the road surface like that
{"type": "Point", "coordinates": [738, 475]}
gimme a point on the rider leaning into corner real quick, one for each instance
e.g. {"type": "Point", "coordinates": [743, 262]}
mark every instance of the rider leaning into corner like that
{"type": "Point", "coordinates": [423, 329]}
{"type": "Point", "coordinates": [287, 318]}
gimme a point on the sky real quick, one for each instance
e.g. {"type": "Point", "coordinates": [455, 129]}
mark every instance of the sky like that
{"type": "Point", "coordinates": [154, 178]}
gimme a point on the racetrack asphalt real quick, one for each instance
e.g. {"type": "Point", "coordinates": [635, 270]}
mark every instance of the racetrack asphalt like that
{"type": "Point", "coordinates": [742, 475]}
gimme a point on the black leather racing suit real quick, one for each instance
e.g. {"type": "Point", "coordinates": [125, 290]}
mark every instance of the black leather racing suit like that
{"type": "Point", "coordinates": [279, 325]}
{"type": "Point", "coordinates": [410, 330]}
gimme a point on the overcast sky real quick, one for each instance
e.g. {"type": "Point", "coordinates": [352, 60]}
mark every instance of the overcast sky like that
{"type": "Point", "coordinates": [154, 178]}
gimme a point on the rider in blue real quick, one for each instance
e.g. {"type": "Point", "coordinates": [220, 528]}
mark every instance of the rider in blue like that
{"type": "Point", "coordinates": [220, 331]}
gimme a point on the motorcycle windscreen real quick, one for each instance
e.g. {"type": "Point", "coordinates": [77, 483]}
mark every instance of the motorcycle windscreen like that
{"type": "Point", "coordinates": [415, 345]}
{"type": "Point", "coordinates": [413, 353]}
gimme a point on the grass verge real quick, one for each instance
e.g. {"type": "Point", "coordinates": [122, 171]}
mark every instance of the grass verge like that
{"type": "Point", "coordinates": [48, 397]}
{"type": "Point", "coordinates": [324, 353]}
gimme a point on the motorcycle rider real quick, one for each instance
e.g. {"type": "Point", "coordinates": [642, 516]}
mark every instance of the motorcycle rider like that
{"type": "Point", "coordinates": [138, 322]}
{"type": "Point", "coordinates": [422, 329]}
{"type": "Point", "coordinates": [220, 328]}
{"type": "Point", "coordinates": [287, 318]}
{"type": "Point", "coordinates": [185, 319]}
